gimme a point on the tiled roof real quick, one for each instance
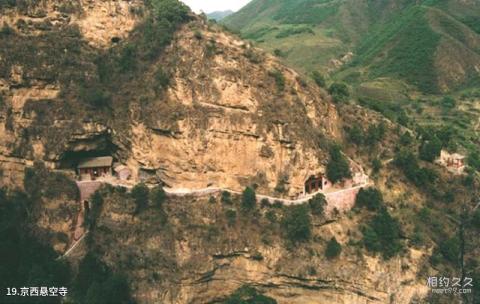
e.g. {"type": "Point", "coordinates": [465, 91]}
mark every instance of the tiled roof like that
{"type": "Point", "coordinates": [96, 162]}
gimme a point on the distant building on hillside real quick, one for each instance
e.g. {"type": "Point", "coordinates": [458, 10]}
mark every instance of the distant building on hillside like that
{"type": "Point", "coordinates": [95, 167]}
{"type": "Point", "coordinates": [454, 162]}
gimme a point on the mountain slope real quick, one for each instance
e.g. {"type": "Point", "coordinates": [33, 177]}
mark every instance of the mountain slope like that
{"type": "Point", "coordinates": [219, 15]}
{"type": "Point", "coordinates": [384, 37]}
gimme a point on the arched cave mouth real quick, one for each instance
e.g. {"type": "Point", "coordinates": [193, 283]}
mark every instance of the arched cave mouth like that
{"type": "Point", "coordinates": [71, 159]}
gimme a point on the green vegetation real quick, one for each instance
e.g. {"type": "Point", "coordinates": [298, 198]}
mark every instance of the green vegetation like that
{"type": "Point", "coordinates": [290, 31]}
{"type": "Point", "coordinates": [333, 249]}
{"type": "Point", "coordinates": [248, 295]}
{"type": "Point", "coordinates": [339, 92]}
{"type": "Point", "coordinates": [319, 79]}
{"type": "Point", "coordinates": [408, 163]}
{"type": "Point", "coordinates": [338, 167]}
{"type": "Point", "coordinates": [305, 11]}
{"type": "Point", "coordinates": [226, 198]}
{"type": "Point", "coordinates": [40, 182]}
{"type": "Point", "coordinates": [231, 216]}
{"type": "Point", "coordinates": [383, 235]}
{"type": "Point", "coordinates": [430, 149]}
{"type": "Point", "coordinates": [25, 260]}
{"type": "Point", "coordinates": [158, 196]}
{"type": "Point", "coordinates": [369, 198]}
{"type": "Point", "coordinates": [296, 223]}
{"type": "Point", "coordinates": [317, 204]}
{"type": "Point", "coordinates": [140, 194]}
{"type": "Point", "coordinates": [249, 199]}
{"type": "Point", "coordinates": [279, 79]}
{"type": "Point", "coordinates": [375, 134]}
{"type": "Point", "coordinates": [96, 283]}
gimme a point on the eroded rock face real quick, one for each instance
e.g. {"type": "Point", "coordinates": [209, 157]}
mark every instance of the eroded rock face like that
{"type": "Point", "coordinates": [231, 116]}
{"type": "Point", "coordinates": [192, 254]}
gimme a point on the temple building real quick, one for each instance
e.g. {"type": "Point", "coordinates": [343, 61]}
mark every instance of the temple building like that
{"type": "Point", "coordinates": [95, 167]}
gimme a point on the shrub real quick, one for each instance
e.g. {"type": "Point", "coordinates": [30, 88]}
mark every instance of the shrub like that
{"type": "Point", "coordinates": [356, 135]}
{"type": "Point", "coordinates": [278, 53]}
{"type": "Point", "coordinates": [421, 177]}
{"type": "Point", "coordinates": [375, 133]}
{"type": "Point", "coordinates": [198, 35]}
{"type": "Point", "coordinates": [248, 199]}
{"type": "Point", "coordinates": [127, 60]}
{"type": "Point", "coordinates": [253, 56]}
{"type": "Point", "coordinates": [226, 197]}
{"type": "Point", "coordinates": [162, 79]}
{"type": "Point", "coordinates": [448, 102]}
{"type": "Point", "coordinates": [406, 139]}
{"type": "Point", "coordinates": [369, 198]}
{"type": "Point", "coordinates": [158, 196]}
{"type": "Point", "coordinates": [279, 79]}
{"type": "Point", "coordinates": [338, 166]}
{"type": "Point", "coordinates": [271, 216]}
{"type": "Point", "coordinates": [296, 223]}
{"type": "Point", "coordinates": [231, 216]}
{"type": "Point", "coordinates": [333, 249]}
{"type": "Point", "coordinates": [383, 235]}
{"type": "Point", "coordinates": [450, 249]}
{"type": "Point", "coordinates": [476, 219]}
{"type": "Point", "coordinates": [474, 160]}
{"type": "Point", "coordinates": [319, 79]}
{"type": "Point", "coordinates": [317, 204]}
{"type": "Point", "coordinates": [140, 194]}
{"type": "Point", "coordinates": [339, 92]}
{"type": "Point", "coordinates": [376, 166]}
{"type": "Point", "coordinates": [95, 97]}
{"type": "Point", "coordinates": [430, 149]}
{"type": "Point", "coordinates": [281, 184]}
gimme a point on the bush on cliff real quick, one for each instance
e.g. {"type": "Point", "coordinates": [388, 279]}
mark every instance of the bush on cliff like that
{"type": "Point", "coordinates": [296, 223]}
{"type": "Point", "coordinates": [333, 249]}
{"type": "Point", "coordinates": [338, 167]}
{"type": "Point", "coordinates": [140, 194]}
{"type": "Point", "coordinates": [249, 199]}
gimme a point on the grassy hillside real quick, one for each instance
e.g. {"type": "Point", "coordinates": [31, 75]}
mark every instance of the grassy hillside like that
{"type": "Point", "coordinates": [405, 40]}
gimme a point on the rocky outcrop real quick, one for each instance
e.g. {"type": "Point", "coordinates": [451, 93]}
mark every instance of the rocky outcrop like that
{"type": "Point", "coordinates": [193, 254]}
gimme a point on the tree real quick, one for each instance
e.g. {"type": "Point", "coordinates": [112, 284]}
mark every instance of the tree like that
{"type": "Point", "coordinates": [317, 204]}
{"type": "Point", "coordinates": [319, 79]}
{"type": "Point", "coordinates": [356, 135]}
{"type": "Point", "coordinates": [297, 224]}
{"type": "Point", "coordinates": [430, 149]}
{"type": "Point", "coordinates": [376, 165]}
{"type": "Point", "coordinates": [158, 196]}
{"type": "Point", "coordinates": [369, 198]}
{"type": "Point", "coordinates": [140, 195]}
{"type": "Point", "coordinates": [226, 197]}
{"type": "Point", "coordinates": [375, 133]}
{"type": "Point", "coordinates": [248, 199]}
{"type": "Point", "coordinates": [338, 166]}
{"type": "Point", "coordinates": [383, 235]}
{"type": "Point", "coordinates": [333, 249]}
{"type": "Point", "coordinates": [339, 92]}
{"type": "Point", "coordinates": [448, 102]}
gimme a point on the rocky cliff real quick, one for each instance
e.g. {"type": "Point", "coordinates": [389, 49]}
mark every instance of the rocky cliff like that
{"type": "Point", "coordinates": [190, 106]}
{"type": "Point", "coordinates": [229, 115]}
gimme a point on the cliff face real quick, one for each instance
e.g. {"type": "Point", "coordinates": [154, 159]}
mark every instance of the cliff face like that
{"type": "Point", "coordinates": [192, 253]}
{"type": "Point", "coordinates": [230, 115]}
{"type": "Point", "coordinates": [208, 109]}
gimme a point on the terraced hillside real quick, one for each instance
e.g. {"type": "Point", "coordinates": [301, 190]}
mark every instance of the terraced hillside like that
{"type": "Point", "coordinates": [432, 46]}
